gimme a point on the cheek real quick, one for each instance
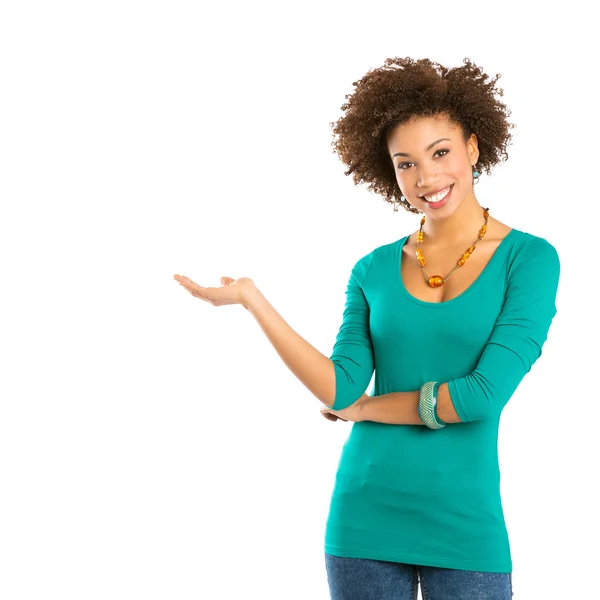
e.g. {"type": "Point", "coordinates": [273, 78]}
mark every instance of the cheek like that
{"type": "Point", "coordinates": [460, 169]}
{"type": "Point", "coordinates": [405, 178]}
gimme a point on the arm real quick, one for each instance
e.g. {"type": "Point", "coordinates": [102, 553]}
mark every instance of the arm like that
{"type": "Point", "coordinates": [309, 365]}
{"type": "Point", "coordinates": [402, 408]}
{"type": "Point", "coordinates": [340, 380]}
{"type": "Point", "coordinates": [513, 347]}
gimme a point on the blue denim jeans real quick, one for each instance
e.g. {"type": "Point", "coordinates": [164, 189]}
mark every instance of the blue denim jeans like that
{"type": "Point", "coordinates": [366, 579]}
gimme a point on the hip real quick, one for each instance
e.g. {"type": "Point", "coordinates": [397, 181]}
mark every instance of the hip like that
{"type": "Point", "coordinates": [354, 578]}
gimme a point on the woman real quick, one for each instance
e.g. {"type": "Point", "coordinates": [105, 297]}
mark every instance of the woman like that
{"type": "Point", "coordinates": [450, 318]}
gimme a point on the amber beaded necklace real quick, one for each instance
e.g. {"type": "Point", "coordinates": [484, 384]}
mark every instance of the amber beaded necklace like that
{"type": "Point", "coordinates": [437, 280]}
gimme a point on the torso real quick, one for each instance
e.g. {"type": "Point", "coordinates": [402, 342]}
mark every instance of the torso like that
{"type": "Point", "coordinates": [442, 261]}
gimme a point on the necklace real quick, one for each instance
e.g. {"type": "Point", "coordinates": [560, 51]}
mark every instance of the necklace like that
{"type": "Point", "coordinates": [437, 280]}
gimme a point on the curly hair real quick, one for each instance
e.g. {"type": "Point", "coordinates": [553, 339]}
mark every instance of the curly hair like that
{"type": "Point", "coordinates": [404, 88]}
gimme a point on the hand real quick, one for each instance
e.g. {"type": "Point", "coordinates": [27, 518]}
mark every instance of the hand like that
{"type": "Point", "coordinates": [351, 413]}
{"type": "Point", "coordinates": [233, 291]}
{"type": "Point", "coordinates": [331, 415]}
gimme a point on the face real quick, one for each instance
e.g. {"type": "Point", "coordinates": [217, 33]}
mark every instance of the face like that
{"type": "Point", "coordinates": [424, 167]}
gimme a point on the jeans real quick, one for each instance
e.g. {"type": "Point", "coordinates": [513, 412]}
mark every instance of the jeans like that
{"type": "Point", "coordinates": [366, 579]}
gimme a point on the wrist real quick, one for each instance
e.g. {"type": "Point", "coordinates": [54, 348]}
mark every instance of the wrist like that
{"type": "Point", "coordinates": [250, 296]}
{"type": "Point", "coordinates": [361, 404]}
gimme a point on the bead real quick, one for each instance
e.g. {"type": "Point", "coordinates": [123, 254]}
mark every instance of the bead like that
{"type": "Point", "coordinates": [436, 281]}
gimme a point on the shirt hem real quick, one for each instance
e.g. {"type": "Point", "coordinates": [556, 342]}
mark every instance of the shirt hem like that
{"type": "Point", "coordinates": [416, 559]}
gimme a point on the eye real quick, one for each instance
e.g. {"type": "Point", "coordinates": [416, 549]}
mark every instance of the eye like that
{"type": "Point", "coordinates": [401, 165]}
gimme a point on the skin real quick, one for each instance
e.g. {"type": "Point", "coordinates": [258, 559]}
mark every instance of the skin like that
{"type": "Point", "coordinates": [424, 171]}
{"type": "Point", "coordinates": [450, 230]}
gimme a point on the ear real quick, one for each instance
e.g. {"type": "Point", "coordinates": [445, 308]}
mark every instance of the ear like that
{"type": "Point", "coordinates": [473, 149]}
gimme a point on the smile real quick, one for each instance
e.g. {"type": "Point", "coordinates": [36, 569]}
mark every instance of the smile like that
{"type": "Point", "coordinates": [439, 196]}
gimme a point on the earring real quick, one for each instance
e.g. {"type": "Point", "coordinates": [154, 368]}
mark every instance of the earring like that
{"type": "Point", "coordinates": [476, 175]}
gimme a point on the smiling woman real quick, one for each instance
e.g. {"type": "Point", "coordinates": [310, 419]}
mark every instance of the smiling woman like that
{"type": "Point", "coordinates": [409, 489]}
{"type": "Point", "coordinates": [449, 318]}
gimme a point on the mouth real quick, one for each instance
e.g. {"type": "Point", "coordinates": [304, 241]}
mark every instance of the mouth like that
{"type": "Point", "coordinates": [440, 199]}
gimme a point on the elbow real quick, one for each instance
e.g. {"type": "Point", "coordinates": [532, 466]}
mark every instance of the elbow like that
{"type": "Point", "coordinates": [344, 402]}
{"type": "Point", "coordinates": [347, 390]}
{"type": "Point", "coordinates": [480, 413]}
{"type": "Point", "coordinates": [351, 379]}
{"type": "Point", "coordinates": [474, 399]}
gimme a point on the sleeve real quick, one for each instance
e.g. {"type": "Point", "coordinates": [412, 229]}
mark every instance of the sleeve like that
{"type": "Point", "coordinates": [517, 338]}
{"type": "Point", "coordinates": [352, 354]}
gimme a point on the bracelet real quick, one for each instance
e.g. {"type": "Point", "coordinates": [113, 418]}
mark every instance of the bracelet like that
{"type": "Point", "coordinates": [427, 405]}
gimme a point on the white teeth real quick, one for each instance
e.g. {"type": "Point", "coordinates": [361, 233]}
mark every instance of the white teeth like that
{"type": "Point", "coordinates": [440, 196]}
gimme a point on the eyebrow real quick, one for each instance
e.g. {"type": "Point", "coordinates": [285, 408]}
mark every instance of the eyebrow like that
{"type": "Point", "coordinates": [426, 149]}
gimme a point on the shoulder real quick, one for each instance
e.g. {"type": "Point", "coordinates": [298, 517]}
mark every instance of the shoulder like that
{"type": "Point", "coordinates": [534, 247]}
{"type": "Point", "coordinates": [535, 260]}
{"type": "Point", "coordinates": [380, 255]}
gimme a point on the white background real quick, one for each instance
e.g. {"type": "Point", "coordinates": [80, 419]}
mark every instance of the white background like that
{"type": "Point", "coordinates": [155, 446]}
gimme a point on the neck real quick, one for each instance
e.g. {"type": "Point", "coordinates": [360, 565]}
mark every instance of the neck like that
{"type": "Point", "coordinates": [463, 224]}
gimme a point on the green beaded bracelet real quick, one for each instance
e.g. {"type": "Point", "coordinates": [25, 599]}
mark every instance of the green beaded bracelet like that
{"type": "Point", "coordinates": [427, 405]}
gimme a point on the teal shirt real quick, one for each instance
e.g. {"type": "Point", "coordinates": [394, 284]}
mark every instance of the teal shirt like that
{"type": "Point", "coordinates": [407, 493]}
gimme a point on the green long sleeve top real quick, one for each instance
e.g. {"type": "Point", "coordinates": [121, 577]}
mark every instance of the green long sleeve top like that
{"type": "Point", "coordinates": [407, 493]}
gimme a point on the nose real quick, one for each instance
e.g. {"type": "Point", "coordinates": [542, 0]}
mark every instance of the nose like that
{"type": "Point", "coordinates": [427, 178]}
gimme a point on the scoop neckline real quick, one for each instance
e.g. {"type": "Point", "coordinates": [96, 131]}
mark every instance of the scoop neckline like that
{"type": "Point", "coordinates": [402, 243]}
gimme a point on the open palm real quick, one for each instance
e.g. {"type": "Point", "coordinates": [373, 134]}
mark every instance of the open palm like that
{"type": "Point", "coordinates": [233, 291]}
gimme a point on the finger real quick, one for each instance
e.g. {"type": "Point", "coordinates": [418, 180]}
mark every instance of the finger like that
{"type": "Point", "coordinates": [199, 296]}
{"type": "Point", "coordinates": [186, 281]}
{"type": "Point", "coordinates": [194, 288]}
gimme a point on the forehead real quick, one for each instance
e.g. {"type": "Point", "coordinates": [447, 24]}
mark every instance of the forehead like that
{"type": "Point", "coordinates": [416, 133]}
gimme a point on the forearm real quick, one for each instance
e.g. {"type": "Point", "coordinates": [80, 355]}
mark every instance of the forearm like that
{"type": "Point", "coordinates": [311, 367]}
{"type": "Point", "coordinates": [402, 408]}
